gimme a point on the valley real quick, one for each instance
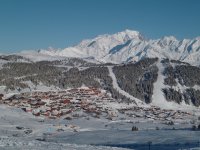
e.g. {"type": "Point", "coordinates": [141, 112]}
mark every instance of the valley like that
{"type": "Point", "coordinates": [115, 100]}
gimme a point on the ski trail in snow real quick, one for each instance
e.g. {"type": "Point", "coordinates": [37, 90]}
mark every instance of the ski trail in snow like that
{"type": "Point", "coordinates": [158, 98]}
{"type": "Point", "coordinates": [116, 86]}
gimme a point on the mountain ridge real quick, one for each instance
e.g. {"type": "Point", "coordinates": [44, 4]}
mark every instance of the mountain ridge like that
{"type": "Point", "coordinates": [129, 46]}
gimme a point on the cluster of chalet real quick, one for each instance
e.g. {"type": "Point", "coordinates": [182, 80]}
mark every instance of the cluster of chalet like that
{"type": "Point", "coordinates": [55, 104]}
{"type": "Point", "coordinates": [77, 102]}
{"type": "Point", "coordinates": [155, 113]}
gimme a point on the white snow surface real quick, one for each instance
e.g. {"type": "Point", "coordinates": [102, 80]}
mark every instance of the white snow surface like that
{"type": "Point", "coordinates": [127, 46]}
{"type": "Point", "coordinates": [39, 56]}
{"type": "Point", "coordinates": [14, 139]}
{"type": "Point", "coordinates": [158, 98]}
{"type": "Point", "coordinates": [91, 131]}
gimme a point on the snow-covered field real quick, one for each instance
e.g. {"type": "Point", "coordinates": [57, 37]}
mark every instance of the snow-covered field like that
{"type": "Point", "coordinates": [20, 130]}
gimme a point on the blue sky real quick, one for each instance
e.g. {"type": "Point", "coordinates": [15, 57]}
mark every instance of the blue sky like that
{"type": "Point", "coordinates": [34, 24]}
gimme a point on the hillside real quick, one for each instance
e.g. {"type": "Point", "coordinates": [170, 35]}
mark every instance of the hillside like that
{"type": "Point", "coordinates": [149, 81]}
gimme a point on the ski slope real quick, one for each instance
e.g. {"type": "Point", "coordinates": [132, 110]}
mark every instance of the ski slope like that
{"type": "Point", "coordinates": [116, 86]}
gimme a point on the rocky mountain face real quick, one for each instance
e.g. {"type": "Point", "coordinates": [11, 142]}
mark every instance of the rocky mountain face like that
{"type": "Point", "coordinates": [131, 46]}
{"type": "Point", "coordinates": [178, 82]}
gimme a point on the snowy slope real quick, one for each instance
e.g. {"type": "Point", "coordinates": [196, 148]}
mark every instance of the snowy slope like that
{"type": "Point", "coordinates": [116, 86]}
{"type": "Point", "coordinates": [131, 46]}
{"type": "Point", "coordinates": [39, 55]}
{"type": "Point", "coordinates": [12, 138]}
{"type": "Point", "coordinates": [158, 96]}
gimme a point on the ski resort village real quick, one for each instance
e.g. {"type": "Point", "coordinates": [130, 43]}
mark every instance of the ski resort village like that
{"type": "Point", "coordinates": [84, 102]}
{"type": "Point", "coordinates": [52, 116]}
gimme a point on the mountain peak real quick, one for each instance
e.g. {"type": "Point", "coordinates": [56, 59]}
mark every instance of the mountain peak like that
{"type": "Point", "coordinates": [169, 38]}
{"type": "Point", "coordinates": [131, 34]}
{"type": "Point", "coordinates": [125, 45]}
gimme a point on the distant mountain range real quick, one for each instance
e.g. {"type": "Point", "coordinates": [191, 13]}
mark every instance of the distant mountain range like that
{"type": "Point", "coordinates": [126, 46]}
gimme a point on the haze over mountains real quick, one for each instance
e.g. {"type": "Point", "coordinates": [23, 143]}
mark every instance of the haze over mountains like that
{"type": "Point", "coordinates": [129, 46]}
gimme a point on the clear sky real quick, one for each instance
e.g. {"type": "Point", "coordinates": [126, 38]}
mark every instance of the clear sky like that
{"type": "Point", "coordinates": [34, 24]}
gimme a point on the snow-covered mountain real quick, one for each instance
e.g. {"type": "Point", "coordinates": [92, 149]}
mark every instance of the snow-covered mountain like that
{"type": "Point", "coordinates": [129, 46]}
{"type": "Point", "coordinates": [75, 95]}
